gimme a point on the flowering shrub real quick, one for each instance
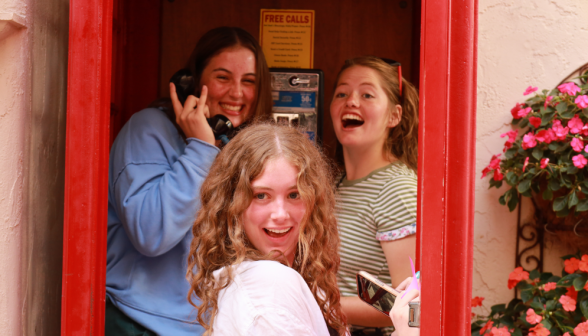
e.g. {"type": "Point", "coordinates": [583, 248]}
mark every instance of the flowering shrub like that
{"type": "Point", "coordinates": [549, 146]}
{"type": "Point", "coordinates": [549, 304]}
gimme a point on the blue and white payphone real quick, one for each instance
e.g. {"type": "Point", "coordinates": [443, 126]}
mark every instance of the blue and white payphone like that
{"type": "Point", "coordinates": [298, 99]}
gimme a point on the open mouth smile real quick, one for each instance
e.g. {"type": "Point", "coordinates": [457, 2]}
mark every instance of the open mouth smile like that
{"type": "Point", "coordinates": [350, 120]}
{"type": "Point", "coordinates": [277, 233]}
{"type": "Point", "coordinates": [233, 109]}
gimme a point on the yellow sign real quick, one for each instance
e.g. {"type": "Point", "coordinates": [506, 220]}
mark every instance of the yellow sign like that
{"type": "Point", "coordinates": [287, 38]}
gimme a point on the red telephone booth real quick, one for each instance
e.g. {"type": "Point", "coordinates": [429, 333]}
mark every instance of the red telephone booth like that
{"type": "Point", "coordinates": [446, 165]}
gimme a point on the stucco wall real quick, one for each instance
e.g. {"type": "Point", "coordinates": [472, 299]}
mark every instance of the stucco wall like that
{"type": "Point", "coordinates": [520, 43]}
{"type": "Point", "coordinates": [33, 75]}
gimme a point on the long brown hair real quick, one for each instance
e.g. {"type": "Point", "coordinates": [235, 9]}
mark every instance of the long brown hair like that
{"type": "Point", "coordinates": [210, 45]}
{"type": "Point", "coordinates": [219, 237]}
{"type": "Point", "coordinates": [402, 140]}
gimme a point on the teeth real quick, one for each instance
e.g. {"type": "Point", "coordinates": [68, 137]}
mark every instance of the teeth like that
{"type": "Point", "coordinates": [279, 231]}
{"type": "Point", "coordinates": [235, 108]}
{"type": "Point", "coordinates": [351, 117]}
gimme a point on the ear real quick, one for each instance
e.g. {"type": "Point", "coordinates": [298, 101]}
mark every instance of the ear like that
{"type": "Point", "coordinates": [395, 116]}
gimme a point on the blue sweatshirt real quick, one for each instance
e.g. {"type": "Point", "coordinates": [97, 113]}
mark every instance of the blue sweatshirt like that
{"type": "Point", "coordinates": [153, 196]}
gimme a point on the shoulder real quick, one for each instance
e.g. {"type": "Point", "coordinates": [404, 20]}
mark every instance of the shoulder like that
{"type": "Point", "coordinates": [150, 118]}
{"type": "Point", "coordinates": [269, 273]}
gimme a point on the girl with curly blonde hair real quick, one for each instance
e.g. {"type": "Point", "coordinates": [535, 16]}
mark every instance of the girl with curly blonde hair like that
{"type": "Point", "coordinates": [264, 256]}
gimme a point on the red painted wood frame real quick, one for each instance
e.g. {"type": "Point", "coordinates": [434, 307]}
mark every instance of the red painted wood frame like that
{"type": "Point", "coordinates": [446, 165]}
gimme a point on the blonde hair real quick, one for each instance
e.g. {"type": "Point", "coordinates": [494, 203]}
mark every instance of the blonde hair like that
{"type": "Point", "coordinates": [219, 236]}
{"type": "Point", "coordinates": [402, 140]}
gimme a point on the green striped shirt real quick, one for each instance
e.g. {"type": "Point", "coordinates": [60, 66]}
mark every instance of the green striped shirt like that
{"type": "Point", "coordinates": [378, 207]}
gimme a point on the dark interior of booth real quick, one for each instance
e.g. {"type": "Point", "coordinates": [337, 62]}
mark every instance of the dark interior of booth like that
{"type": "Point", "coordinates": [152, 39]}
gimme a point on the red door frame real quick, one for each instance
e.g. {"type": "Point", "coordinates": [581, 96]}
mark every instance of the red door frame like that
{"type": "Point", "coordinates": [446, 165]}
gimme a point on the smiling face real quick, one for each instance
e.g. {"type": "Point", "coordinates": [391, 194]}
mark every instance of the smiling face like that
{"type": "Point", "coordinates": [272, 220]}
{"type": "Point", "coordinates": [360, 109]}
{"type": "Point", "coordinates": [230, 77]}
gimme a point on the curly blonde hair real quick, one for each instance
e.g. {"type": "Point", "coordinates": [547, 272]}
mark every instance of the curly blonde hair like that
{"type": "Point", "coordinates": [219, 236]}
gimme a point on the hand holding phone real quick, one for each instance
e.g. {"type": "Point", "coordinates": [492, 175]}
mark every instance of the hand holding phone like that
{"type": "Point", "coordinates": [192, 115]}
{"type": "Point", "coordinates": [401, 314]}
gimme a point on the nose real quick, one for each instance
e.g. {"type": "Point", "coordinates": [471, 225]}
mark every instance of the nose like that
{"type": "Point", "coordinates": [236, 91]}
{"type": "Point", "coordinates": [352, 100]}
{"type": "Point", "coordinates": [279, 212]}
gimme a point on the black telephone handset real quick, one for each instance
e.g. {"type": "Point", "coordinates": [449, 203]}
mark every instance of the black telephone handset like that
{"type": "Point", "coordinates": [185, 86]}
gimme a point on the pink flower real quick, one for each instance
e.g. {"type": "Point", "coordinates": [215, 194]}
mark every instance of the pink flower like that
{"type": "Point", "coordinates": [560, 131]}
{"type": "Point", "coordinates": [529, 140]}
{"type": "Point", "coordinates": [568, 303]}
{"type": "Point", "coordinates": [533, 318]}
{"type": "Point", "coordinates": [494, 164]}
{"type": "Point", "coordinates": [511, 138]}
{"type": "Point", "coordinates": [549, 286]}
{"type": "Point", "coordinates": [583, 264]}
{"type": "Point", "coordinates": [500, 331]}
{"type": "Point", "coordinates": [498, 175]}
{"type": "Point", "coordinates": [581, 329]}
{"type": "Point", "coordinates": [523, 112]}
{"type": "Point", "coordinates": [572, 265]}
{"type": "Point", "coordinates": [566, 334]}
{"type": "Point", "coordinates": [544, 162]}
{"type": "Point", "coordinates": [515, 110]}
{"type": "Point", "coordinates": [582, 101]}
{"type": "Point", "coordinates": [545, 136]}
{"type": "Point", "coordinates": [585, 130]}
{"type": "Point", "coordinates": [539, 330]}
{"type": "Point", "coordinates": [486, 327]}
{"type": "Point", "coordinates": [569, 88]}
{"type": "Point", "coordinates": [530, 90]}
{"type": "Point", "coordinates": [577, 145]}
{"type": "Point", "coordinates": [575, 125]}
{"type": "Point", "coordinates": [579, 161]}
{"type": "Point", "coordinates": [536, 122]}
{"type": "Point", "coordinates": [547, 101]}
{"type": "Point", "coordinates": [526, 163]}
{"type": "Point", "coordinates": [516, 276]}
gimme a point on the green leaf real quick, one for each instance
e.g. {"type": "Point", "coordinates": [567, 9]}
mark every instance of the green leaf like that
{"type": "Point", "coordinates": [524, 185]}
{"type": "Point", "coordinates": [510, 153]}
{"type": "Point", "coordinates": [517, 332]}
{"type": "Point", "coordinates": [582, 205]}
{"type": "Point", "coordinates": [501, 200]}
{"type": "Point", "coordinates": [546, 324]}
{"type": "Point", "coordinates": [512, 178]}
{"type": "Point", "coordinates": [554, 184]}
{"type": "Point", "coordinates": [547, 194]}
{"type": "Point", "coordinates": [563, 213]}
{"type": "Point", "coordinates": [572, 199]}
{"type": "Point", "coordinates": [559, 203]}
{"type": "Point", "coordinates": [554, 331]}
{"type": "Point", "coordinates": [568, 114]}
{"type": "Point", "coordinates": [534, 274]}
{"type": "Point", "coordinates": [513, 201]}
{"type": "Point", "coordinates": [526, 295]}
{"type": "Point", "coordinates": [537, 153]}
{"type": "Point", "coordinates": [553, 92]}
{"type": "Point", "coordinates": [561, 107]}
{"type": "Point", "coordinates": [537, 303]}
{"type": "Point", "coordinates": [497, 309]}
{"type": "Point", "coordinates": [524, 123]}
{"type": "Point", "coordinates": [585, 112]}
{"type": "Point", "coordinates": [553, 146]}
{"type": "Point", "coordinates": [562, 147]}
{"type": "Point", "coordinates": [550, 305]}
{"type": "Point", "coordinates": [580, 282]}
{"type": "Point", "coordinates": [507, 322]}
{"type": "Point", "coordinates": [568, 279]}
{"type": "Point", "coordinates": [584, 307]}
{"type": "Point", "coordinates": [572, 170]}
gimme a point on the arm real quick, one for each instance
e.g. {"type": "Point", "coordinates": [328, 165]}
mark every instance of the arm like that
{"type": "Point", "coordinates": [360, 313]}
{"type": "Point", "coordinates": [397, 253]}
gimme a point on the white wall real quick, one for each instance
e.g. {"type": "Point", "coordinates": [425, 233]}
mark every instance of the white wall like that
{"type": "Point", "coordinates": [520, 43]}
{"type": "Point", "coordinates": [33, 75]}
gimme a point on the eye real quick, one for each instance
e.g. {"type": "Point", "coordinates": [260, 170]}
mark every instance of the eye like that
{"type": "Point", "coordinates": [367, 95]}
{"type": "Point", "coordinates": [249, 81]}
{"type": "Point", "coordinates": [260, 196]}
{"type": "Point", "coordinates": [221, 77]}
{"type": "Point", "coordinates": [294, 195]}
{"type": "Point", "coordinates": [340, 95]}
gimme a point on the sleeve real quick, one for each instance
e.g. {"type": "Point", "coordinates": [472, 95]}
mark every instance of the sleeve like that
{"type": "Point", "coordinates": [395, 208]}
{"type": "Point", "coordinates": [279, 322]}
{"type": "Point", "coordinates": [156, 201]}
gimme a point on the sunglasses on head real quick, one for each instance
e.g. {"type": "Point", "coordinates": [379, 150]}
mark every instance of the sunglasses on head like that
{"type": "Point", "coordinates": [392, 62]}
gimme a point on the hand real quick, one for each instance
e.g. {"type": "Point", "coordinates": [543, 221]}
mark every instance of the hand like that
{"type": "Point", "coordinates": [192, 116]}
{"type": "Point", "coordinates": [404, 284]}
{"type": "Point", "coordinates": [399, 313]}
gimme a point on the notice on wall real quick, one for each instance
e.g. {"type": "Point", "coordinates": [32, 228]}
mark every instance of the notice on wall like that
{"type": "Point", "coordinates": [287, 38]}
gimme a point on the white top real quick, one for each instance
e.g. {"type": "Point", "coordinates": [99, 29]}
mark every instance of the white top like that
{"type": "Point", "coordinates": [267, 298]}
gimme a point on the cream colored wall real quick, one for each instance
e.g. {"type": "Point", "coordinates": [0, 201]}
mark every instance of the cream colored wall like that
{"type": "Point", "coordinates": [520, 43]}
{"type": "Point", "coordinates": [33, 75]}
